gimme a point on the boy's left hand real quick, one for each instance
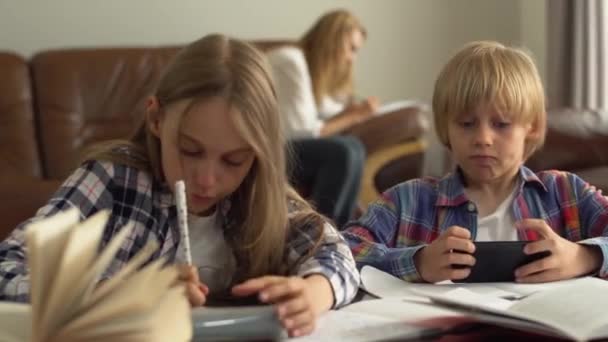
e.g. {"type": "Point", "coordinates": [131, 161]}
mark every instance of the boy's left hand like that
{"type": "Point", "coordinates": [298, 300]}
{"type": "Point", "coordinates": [567, 259]}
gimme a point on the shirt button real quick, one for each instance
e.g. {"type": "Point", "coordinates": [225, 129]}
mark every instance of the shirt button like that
{"type": "Point", "coordinates": [471, 207]}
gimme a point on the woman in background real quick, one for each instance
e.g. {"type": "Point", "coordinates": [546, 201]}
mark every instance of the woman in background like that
{"type": "Point", "coordinates": [315, 91]}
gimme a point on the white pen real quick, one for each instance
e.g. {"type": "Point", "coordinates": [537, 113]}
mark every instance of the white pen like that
{"type": "Point", "coordinates": [182, 219]}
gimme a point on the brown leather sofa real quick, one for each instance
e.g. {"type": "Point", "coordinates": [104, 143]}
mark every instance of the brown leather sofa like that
{"type": "Point", "coordinates": [60, 101]}
{"type": "Point", "coordinates": [577, 141]}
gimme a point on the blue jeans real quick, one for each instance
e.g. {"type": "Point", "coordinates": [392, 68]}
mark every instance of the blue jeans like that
{"type": "Point", "coordinates": [330, 169]}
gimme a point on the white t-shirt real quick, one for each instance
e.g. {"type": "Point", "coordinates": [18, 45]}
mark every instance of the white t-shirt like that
{"type": "Point", "coordinates": [500, 225]}
{"type": "Point", "coordinates": [212, 256]}
{"type": "Point", "coordinates": [295, 95]}
{"type": "Point", "coordinates": [330, 107]}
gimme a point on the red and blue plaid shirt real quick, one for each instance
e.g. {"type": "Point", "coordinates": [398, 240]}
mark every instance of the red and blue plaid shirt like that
{"type": "Point", "coordinates": [415, 213]}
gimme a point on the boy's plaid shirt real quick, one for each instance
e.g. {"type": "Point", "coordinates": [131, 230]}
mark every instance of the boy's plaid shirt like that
{"type": "Point", "coordinates": [414, 213]}
{"type": "Point", "coordinates": [132, 196]}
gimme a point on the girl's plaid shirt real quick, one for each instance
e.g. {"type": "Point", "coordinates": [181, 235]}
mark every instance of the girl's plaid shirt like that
{"type": "Point", "coordinates": [133, 197]}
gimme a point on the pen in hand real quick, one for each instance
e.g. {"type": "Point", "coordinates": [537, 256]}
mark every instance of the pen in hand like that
{"type": "Point", "coordinates": [195, 297]}
{"type": "Point", "coordinates": [182, 219]}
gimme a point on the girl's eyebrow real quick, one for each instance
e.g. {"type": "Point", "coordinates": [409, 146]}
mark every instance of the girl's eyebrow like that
{"type": "Point", "coordinates": [234, 151]}
{"type": "Point", "coordinates": [240, 150]}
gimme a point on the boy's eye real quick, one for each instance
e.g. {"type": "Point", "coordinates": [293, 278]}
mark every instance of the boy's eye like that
{"type": "Point", "coordinates": [466, 124]}
{"type": "Point", "coordinates": [502, 124]}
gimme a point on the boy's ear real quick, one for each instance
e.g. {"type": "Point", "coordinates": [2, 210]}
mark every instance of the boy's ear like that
{"type": "Point", "coordinates": [537, 128]}
{"type": "Point", "coordinates": [153, 115]}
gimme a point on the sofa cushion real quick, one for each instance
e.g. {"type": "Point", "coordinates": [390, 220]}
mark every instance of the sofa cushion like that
{"type": "Point", "coordinates": [89, 95]}
{"type": "Point", "coordinates": [18, 147]}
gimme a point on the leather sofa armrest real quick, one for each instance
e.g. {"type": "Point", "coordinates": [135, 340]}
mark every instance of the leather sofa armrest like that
{"type": "Point", "coordinates": [390, 129]}
{"type": "Point", "coordinates": [21, 198]}
{"type": "Point", "coordinates": [380, 159]}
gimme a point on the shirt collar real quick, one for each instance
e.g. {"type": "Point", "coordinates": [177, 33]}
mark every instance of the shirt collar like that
{"type": "Point", "coordinates": [450, 188]}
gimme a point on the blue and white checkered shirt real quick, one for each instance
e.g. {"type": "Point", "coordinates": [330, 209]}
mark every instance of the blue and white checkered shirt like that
{"type": "Point", "coordinates": [133, 196]}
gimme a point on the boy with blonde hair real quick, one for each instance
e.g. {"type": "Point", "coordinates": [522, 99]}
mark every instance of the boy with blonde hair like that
{"type": "Point", "coordinates": [489, 108]}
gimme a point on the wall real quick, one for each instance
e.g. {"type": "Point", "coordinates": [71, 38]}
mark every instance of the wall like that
{"type": "Point", "coordinates": [408, 42]}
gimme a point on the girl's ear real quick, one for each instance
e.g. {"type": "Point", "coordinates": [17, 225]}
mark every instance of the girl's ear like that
{"type": "Point", "coordinates": [153, 117]}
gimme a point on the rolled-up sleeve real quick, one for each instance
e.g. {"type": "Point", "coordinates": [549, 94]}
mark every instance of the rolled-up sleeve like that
{"type": "Point", "coordinates": [332, 258]}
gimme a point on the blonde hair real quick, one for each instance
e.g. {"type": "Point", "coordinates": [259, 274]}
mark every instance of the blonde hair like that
{"type": "Point", "coordinates": [234, 70]}
{"type": "Point", "coordinates": [323, 47]}
{"type": "Point", "coordinates": [489, 73]}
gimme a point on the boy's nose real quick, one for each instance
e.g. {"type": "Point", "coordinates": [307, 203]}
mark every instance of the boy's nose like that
{"type": "Point", "coordinates": [484, 136]}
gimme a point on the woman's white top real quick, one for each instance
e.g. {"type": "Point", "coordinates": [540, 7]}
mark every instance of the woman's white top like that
{"type": "Point", "coordinates": [211, 254]}
{"type": "Point", "coordinates": [295, 95]}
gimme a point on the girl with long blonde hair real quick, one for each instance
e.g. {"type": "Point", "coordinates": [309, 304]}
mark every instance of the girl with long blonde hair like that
{"type": "Point", "coordinates": [213, 122]}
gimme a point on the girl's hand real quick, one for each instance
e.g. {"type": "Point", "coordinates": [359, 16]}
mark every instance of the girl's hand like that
{"type": "Point", "coordinates": [195, 290]}
{"type": "Point", "coordinates": [567, 259]}
{"type": "Point", "coordinates": [299, 301]}
{"type": "Point", "coordinates": [436, 261]}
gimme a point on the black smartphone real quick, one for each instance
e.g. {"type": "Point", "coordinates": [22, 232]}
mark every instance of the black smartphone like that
{"type": "Point", "coordinates": [496, 261]}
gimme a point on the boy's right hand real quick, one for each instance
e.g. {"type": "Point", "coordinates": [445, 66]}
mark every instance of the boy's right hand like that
{"type": "Point", "coordinates": [437, 261]}
{"type": "Point", "coordinates": [195, 290]}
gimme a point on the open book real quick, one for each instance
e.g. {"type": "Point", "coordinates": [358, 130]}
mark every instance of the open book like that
{"type": "Point", "coordinates": [398, 105]}
{"type": "Point", "coordinates": [573, 309]}
{"type": "Point", "coordinates": [68, 303]}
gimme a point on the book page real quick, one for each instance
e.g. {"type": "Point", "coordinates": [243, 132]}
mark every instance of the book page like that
{"type": "Point", "coordinates": [384, 285]}
{"type": "Point", "coordinates": [469, 299]}
{"type": "Point", "coordinates": [352, 326]}
{"type": "Point", "coordinates": [45, 241]}
{"type": "Point", "coordinates": [578, 309]}
{"type": "Point", "coordinates": [397, 105]}
{"type": "Point", "coordinates": [102, 262]}
{"type": "Point", "coordinates": [404, 311]}
{"type": "Point", "coordinates": [106, 287]}
{"type": "Point", "coordinates": [15, 322]}
{"type": "Point", "coordinates": [528, 289]}
{"type": "Point", "coordinates": [139, 293]}
{"type": "Point", "coordinates": [166, 319]}
{"type": "Point", "coordinates": [63, 297]}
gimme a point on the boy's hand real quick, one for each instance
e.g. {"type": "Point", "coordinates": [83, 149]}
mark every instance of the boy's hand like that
{"type": "Point", "coordinates": [195, 290]}
{"type": "Point", "coordinates": [299, 301]}
{"type": "Point", "coordinates": [436, 261]}
{"type": "Point", "coordinates": [567, 259]}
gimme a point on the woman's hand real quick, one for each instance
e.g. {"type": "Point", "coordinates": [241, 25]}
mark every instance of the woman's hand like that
{"type": "Point", "coordinates": [567, 259]}
{"type": "Point", "coordinates": [370, 104]}
{"type": "Point", "coordinates": [299, 301]}
{"type": "Point", "coordinates": [195, 290]}
{"type": "Point", "coordinates": [436, 261]}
